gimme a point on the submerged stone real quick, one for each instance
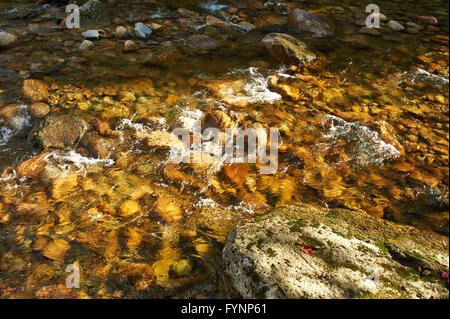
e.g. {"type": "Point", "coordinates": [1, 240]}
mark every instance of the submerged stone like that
{"type": "Point", "coordinates": [303, 21]}
{"type": "Point", "coordinates": [164, 54]}
{"type": "Point", "coordinates": [34, 90]}
{"type": "Point", "coordinates": [199, 43]}
{"type": "Point", "coordinates": [59, 131]}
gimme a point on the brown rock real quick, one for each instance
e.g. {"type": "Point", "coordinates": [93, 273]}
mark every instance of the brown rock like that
{"type": "Point", "coordinates": [64, 186]}
{"type": "Point", "coordinates": [102, 148]}
{"type": "Point", "coordinates": [34, 90]}
{"type": "Point", "coordinates": [163, 140]}
{"type": "Point", "coordinates": [228, 91]}
{"type": "Point", "coordinates": [56, 249]}
{"type": "Point", "coordinates": [288, 49]}
{"type": "Point", "coordinates": [134, 237]}
{"type": "Point", "coordinates": [216, 22]}
{"type": "Point", "coordinates": [31, 209]}
{"type": "Point", "coordinates": [199, 43]}
{"type": "Point", "coordinates": [129, 208]}
{"type": "Point", "coordinates": [185, 13]}
{"type": "Point", "coordinates": [164, 54]}
{"type": "Point", "coordinates": [236, 172]}
{"type": "Point", "coordinates": [60, 131]}
{"type": "Point", "coordinates": [168, 209]}
{"type": "Point", "coordinates": [38, 110]}
{"type": "Point", "coordinates": [427, 19]}
{"type": "Point", "coordinates": [303, 21]}
{"type": "Point", "coordinates": [388, 134]}
{"type": "Point", "coordinates": [129, 45]}
{"type": "Point", "coordinates": [269, 20]}
{"type": "Point", "coordinates": [33, 166]}
{"type": "Point", "coordinates": [56, 292]}
{"type": "Point", "coordinates": [218, 119]}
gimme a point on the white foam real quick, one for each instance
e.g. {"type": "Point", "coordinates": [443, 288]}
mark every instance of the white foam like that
{"type": "Point", "coordinates": [70, 159]}
{"type": "Point", "coordinates": [369, 148]}
{"type": "Point", "coordinates": [189, 117]}
{"type": "Point", "coordinates": [256, 87]}
{"type": "Point", "coordinates": [420, 75]}
{"type": "Point", "coordinates": [18, 123]}
{"type": "Point", "coordinates": [212, 6]}
{"type": "Point", "coordinates": [5, 135]}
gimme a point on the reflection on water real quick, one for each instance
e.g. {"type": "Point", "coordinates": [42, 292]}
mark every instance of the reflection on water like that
{"type": "Point", "coordinates": [365, 129]}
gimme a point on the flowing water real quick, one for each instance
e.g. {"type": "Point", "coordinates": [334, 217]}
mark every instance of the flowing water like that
{"type": "Point", "coordinates": [367, 129]}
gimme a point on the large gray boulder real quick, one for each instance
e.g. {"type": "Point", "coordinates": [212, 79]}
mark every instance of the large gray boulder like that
{"type": "Point", "coordinates": [287, 49]}
{"type": "Point", "coordinates": [304, 252]}
{"type": "Point", "coordinates": [304, 22]}
{"type": "Point", "coordinates": [59, 131]}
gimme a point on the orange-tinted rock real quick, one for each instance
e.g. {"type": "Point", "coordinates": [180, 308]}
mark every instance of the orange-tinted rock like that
{"type": "Point", "coordinates": [199, 43]}
{"type": "Point", "coordinates": [34, 90]}
{"type": "Point", "coordinates": [129, 208]}
{"type": "Point", "coordinates": [236, 172]}
{"type": "Point", "coordinates": [163, 140]}
{"type": "Point", "coordinates": [60, 131]}
{"type": "Point", "coordinates": [38, 110]}
{"type": "Point", "coordinates": [164, 54]}
{"type": "Point", "coordinates": [168, 209]}
{"type": "Point", "coordinates": [427, 19]}
{"type": "Point", "coordinates": [54, 249]}
{"type": "Point", "coordinates": [56, 292]}
{"type": "Point", "coordinates": [64, 186]}
{"type": "Point", "coordinates": [33, 166]}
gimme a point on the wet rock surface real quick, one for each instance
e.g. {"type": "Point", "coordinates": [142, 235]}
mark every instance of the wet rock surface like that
{"type": "Point", "coordinates": [303, 21]}
{"type": "Point", "coordinates": [164, 54]}
{"type": "Point", "coordinates": [287, 49]}
{"type": "Point", "coordinates": [7, 39]}
{"type": "Point", "coordinates": [59, 131]}
{"type": "Point", "coordinates": [304, 252]}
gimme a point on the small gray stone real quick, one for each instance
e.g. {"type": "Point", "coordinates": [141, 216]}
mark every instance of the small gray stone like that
{"type": "Point", "coordinates": [142, 31]}
{"type": "Point", "coordinates": [86, 44]}
{"type": "Point", "coordinates": [413, 28]}
{"type": "Point", "coordinates": [91, 35]}
{"type": "Point", "coordinates": [394, 25]}
{"type": "Point", "coordinates": [129, 45]}
{"type": "Point", "coordinates": [121, 32]}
